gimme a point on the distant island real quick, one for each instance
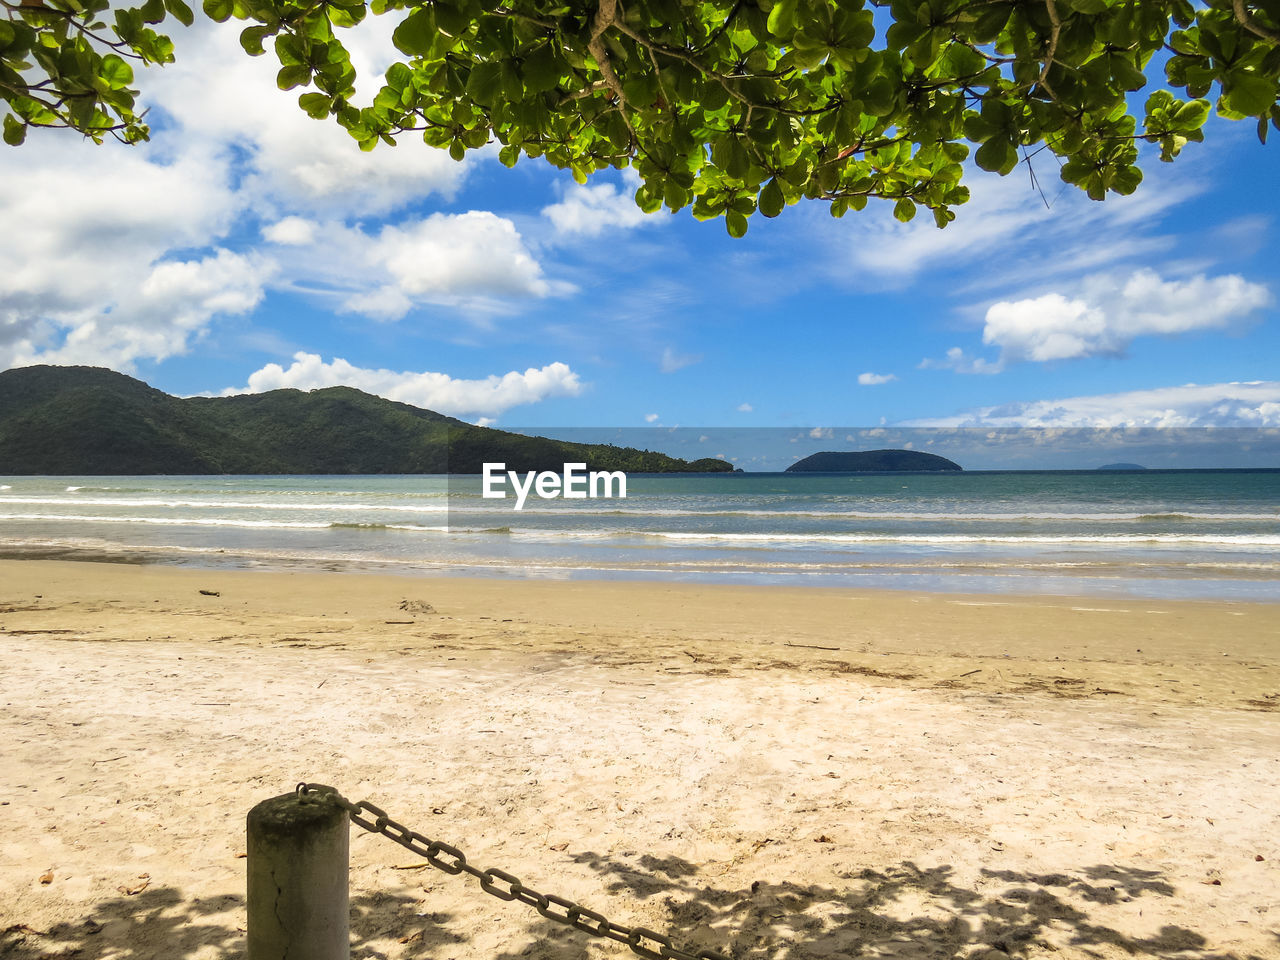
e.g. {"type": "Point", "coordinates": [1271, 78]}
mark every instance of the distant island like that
{"type": "Point", "coordinates": [93, 421]}
{"type": "Point", "coordinates": [873, 461]}
{"type": "Point", "coordinates": [1122, 467]}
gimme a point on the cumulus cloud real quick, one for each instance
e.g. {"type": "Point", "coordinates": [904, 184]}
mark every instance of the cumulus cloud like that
{"type": "Point", "coordinates": [1250, 404]}
{"type": "Point", "coordinates": [123, 265]}
{"type": "Point", "coordinates": [161, 318]}
{"type": "Point", "coordinates": [221, 100]}
{"type": "Point", "coordinates": [290, 232]}
{"type": "Point", "coordinates": [650, 418]}
{"type": "Point", "coordinates": [93, 277]}
{"type": "Point", "coordinates": [449, 255]}
{"type": "Point", "coordinates": [1109, 313]}
{"type": "Point", "coordinates": [875, 379]}
{"type": "Point", "coordinates": [477, 260]}
{"type": "Point", "coordinates": [434, 391]}
{"type": "Point", "coordinates": [115, 255]}
{"type": "Point", "coordinates": [745, 408]}
{"type": "Point", "coordinates": [590, 209]}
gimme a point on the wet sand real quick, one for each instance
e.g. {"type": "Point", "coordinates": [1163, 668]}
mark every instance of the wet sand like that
{"type": "Point", "coordinates": [765, 772]}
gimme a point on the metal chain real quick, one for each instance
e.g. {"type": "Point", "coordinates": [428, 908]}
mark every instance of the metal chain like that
{"type": "Point", "coordinates": [499, 883]}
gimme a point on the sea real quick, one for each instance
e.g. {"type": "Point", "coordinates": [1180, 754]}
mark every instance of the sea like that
{"type": "Point", "coordinates": [1199, 534]}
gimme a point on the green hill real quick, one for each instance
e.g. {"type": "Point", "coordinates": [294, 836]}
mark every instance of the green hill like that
{"type": "Point", "coordinates": [92, 421]}
{"type": "Point", "coordinates": [873, 461]}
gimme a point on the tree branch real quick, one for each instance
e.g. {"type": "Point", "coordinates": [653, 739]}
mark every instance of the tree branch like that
{"type": "Point", "coordinates": [1250, 23]}
{"type": "Point", "coordinates": [606, 17]}
{"type": "Point", "coordinates": [1053, 46]}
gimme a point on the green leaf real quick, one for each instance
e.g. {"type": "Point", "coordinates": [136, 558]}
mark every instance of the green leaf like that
{"type": "Point", "coordinates": [988, 25]}
{"type": "Point", "coordinates": [904, 210]}
{"type": "Point", "coordinates": [772, 202]}
{"type": "Point", "coordinates": [290, 49]}
{"type": "Point", "coordinates": [181, 12]}
{"type": "Point", "coordinates": [316, 105]}
{"type": "Point", "coordinates": [735, 223]}
{"type": "Point", "coordinates": [294, 75]}
{"type": "Point", "coordinates": [399, 76]}
{"type": "Point", "coordinates": [453, 20]}
{"type": "Point", "coordinates": [484, 85]}
{"type": "Point", "coordinates": [1126, 180]}
{"type": "Point", "coordinates": [542, 69]}
{"type": "Point", "coordinates": [782, 18]}
{"type": "Point", "coordinates": [1250, 94]}
{"type": "Point", "coordinates": [998, 155]}
{"type": "Point", "coordinates": [152, 11]}
{"type": "Point", "coordinates": [115, 72]}
{"type": "Point", "coordinates": [218, 10]}
{"type": "Point", "coordinates": [15, 131]}
{"type": "Point", "coordinates": [1192, 115]}
{"type": "Point", "coordinates": [647, 200]}
{"type": "Point", "coordinates": [251, 39]}
{"type": "Point", "coordinates": [416, 33]}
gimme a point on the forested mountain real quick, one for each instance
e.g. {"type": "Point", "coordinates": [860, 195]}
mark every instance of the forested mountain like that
{"type": "Point", "coordinates": [89, 420]}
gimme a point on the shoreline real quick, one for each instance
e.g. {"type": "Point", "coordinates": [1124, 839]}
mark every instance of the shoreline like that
{"type": "Point", "coordinates": [926, 577]}
{"type": "Point", "coordinates": [776, 774]}
{"type": "Point", "coordinates": [1212, 652]}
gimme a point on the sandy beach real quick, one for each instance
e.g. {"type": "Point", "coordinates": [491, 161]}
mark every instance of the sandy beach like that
{"type": "Point", "coordinates": [773, 773]}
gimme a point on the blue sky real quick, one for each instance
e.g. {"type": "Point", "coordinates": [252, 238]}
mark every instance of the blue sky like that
{"type": "Point", "coordinates": [249, 247]}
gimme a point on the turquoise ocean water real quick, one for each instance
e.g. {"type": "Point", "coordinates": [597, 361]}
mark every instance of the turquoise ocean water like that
{"type": "Point", "coordinates": [1199, 534]}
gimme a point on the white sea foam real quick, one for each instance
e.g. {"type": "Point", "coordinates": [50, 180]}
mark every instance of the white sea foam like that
{"type": "Point", "coordinates": [873, 515]}
{"type": "Point", "coordinates": [1244, 540]}
{"type": "Point", "coordinates": [219, 504]}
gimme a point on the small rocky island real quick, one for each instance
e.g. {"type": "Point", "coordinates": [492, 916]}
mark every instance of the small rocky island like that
{"type": "Point", "coordinates": [874, 461]}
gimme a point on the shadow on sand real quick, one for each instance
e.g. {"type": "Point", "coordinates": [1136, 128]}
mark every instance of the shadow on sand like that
{"type": "Point", "coordinates": [160, 923]}
{"type": "Point", "coordinates": [902, 911]}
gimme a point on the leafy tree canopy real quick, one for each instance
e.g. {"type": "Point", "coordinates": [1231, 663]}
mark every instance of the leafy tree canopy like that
{"type": "Point", "coordinates": [730, 106]}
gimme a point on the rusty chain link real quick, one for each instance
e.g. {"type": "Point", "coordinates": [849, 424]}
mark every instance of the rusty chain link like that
{"type": "Point", "coordinates": [642, 941]}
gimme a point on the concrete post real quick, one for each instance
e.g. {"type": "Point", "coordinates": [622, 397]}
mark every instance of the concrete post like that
{"type": "Point", "coordinates": [297, 884]}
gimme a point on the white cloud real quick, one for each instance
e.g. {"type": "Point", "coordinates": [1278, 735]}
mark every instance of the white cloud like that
{"type": "Point", "coordinates": [221, 99]}
{"type": "Point", "coordinates": [91, 278]}
{"type": "Point", "coordinates": [172, 307]}
{"type": "Point", "coordinates": [115, 254]}
{"type": "Point", "coordinates": [650, 418]}
{"type": "Point", "coordinates": [475, 260]}
{"type": "Point", "coordinates": [467, 254]}
{"type": "Point", "coordinates": [745, 408]}
{"type": "Point", "coordinates": [590, 209]}
{"type": "Point", "coordinates": [1251, 404]}
{"type": "Point", "coordinates": [1107, 315]}
{"type": "Point", "coordinates": [672, 361]}
{"type": "Point", "coordinates": [822, 433]}
{"type": "Point", "coordinates": [959, 361]}
{"type": "Point", "coordinates": [434, 391]}
{"type": "Point", "coordinates": [875, 379]}
{"type": "Point", "coordinates": [290, 232]}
